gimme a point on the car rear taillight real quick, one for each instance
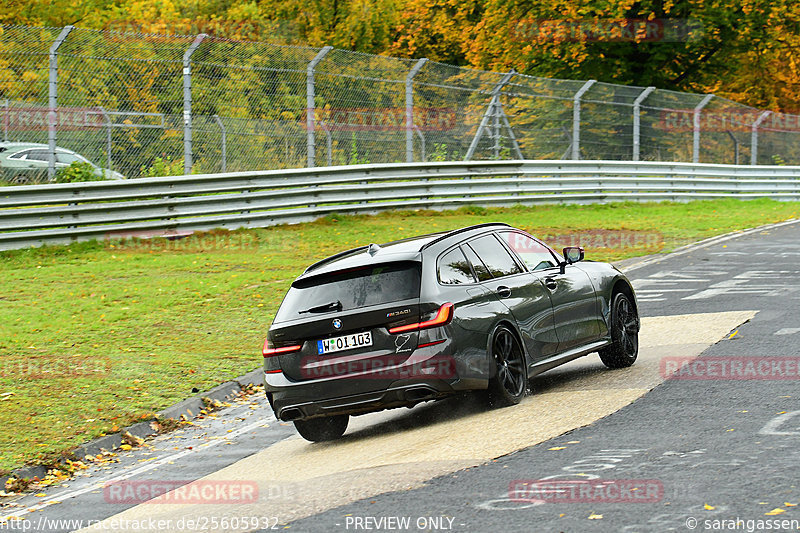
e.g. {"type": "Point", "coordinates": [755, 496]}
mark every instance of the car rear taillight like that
{"type": "Point", "coordinates": [272, 352]}
{"type": "Point", "coordinates": [443, 316]}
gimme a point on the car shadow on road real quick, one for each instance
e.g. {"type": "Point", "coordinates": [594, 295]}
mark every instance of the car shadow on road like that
{"type": "Point", "coordinates": [423, 415]}
{"type": "Point", "coordinates": [470, 403]}
{"type": "Point", "coordinates": [567, 375]}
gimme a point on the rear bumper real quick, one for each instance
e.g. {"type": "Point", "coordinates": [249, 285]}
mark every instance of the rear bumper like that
{"type": "Point", "coordinates": [294, 403]}
{"type": "Point", "coordinates": [428, 373]}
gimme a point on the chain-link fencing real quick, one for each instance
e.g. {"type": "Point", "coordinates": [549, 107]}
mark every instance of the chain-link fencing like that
{"type": "Point", "coordinates": [152, 105]}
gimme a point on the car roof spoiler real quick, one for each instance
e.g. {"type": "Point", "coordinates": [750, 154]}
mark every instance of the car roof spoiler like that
{"type": "Point", "coordinates": [333, 258]}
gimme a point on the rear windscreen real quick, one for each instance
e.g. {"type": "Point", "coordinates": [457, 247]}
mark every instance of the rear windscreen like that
{"type": "Point", "coordinates": [363, 287]}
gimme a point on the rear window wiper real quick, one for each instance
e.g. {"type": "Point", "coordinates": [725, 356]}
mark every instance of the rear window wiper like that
{"type": "Point", "coordinates": [337, 305]}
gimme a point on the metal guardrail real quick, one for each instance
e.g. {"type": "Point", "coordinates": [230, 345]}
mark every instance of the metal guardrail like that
{"type": "Point", "coordinates": [63, 213]}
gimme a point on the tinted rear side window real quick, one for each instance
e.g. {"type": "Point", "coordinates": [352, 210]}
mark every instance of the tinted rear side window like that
{"type": "Point", "coordinates": [495, 256]}
{"type": "Point", "coordinates": [364, 287]}
{"type": "Point", "coordinates": [477, 264]}
{"type": "Point", "coordinates": [454, 268]}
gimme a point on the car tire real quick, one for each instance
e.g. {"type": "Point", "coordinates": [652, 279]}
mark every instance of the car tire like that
{"type": "Point", "coordinates": [509, 382]}
{"type": "Point", "coordinates": [624, 347]}
{"type": "Point", "coordinates": [322, 429]}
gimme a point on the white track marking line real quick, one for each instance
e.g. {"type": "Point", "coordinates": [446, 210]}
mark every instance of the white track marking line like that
{"type": "Point", "coordinates": [142, 469]}
{"type": "Point", "coordinates": [706, 243]}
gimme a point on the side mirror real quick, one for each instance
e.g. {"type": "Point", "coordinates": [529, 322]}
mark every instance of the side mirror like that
{"type": "Point", "coordinates": [572, 254]}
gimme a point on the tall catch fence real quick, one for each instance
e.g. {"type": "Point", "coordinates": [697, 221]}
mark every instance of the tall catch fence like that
{"type": "Point", "coordinates": [146, 105]}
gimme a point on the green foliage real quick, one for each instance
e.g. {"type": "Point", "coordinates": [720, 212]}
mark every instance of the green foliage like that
{"type": "Point", "coordinates": [77, 172]}
{"type": "Point", "coordinates": [354, 158]}
{"type": "Point", "coordinates": [163, 166]}
{"type": "Point", "coordinates": [745, 50]}
{"type": "Point", "coordinates": [439, 152]}
{"type": "Point", "coordinates": [474, 210]}
{"type": "Point", "coordinates": [778, 160]}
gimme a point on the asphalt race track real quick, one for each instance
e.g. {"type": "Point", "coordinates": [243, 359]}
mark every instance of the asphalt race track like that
{"type": "Point", "coordinates": [716, 445]}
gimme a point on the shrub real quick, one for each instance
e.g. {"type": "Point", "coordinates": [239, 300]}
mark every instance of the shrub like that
{"type": "Point", "coordinates": [163, 166]}
{"type": "Point", "coordinates": [76, 172]}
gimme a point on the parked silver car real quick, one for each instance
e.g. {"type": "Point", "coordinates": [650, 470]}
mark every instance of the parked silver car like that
{"type": "Point", "coordinates": [27, 162]}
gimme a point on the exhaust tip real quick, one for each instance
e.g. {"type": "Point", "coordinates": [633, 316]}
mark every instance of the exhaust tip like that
{"type": "Point", "coordinates": [287, 415]}
{"type": "Point", "coordinates": [419, 393]}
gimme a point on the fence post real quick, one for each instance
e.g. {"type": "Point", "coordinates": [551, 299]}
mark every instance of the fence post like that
{"type": "Point", "coordinates": [224, 142]}
{"type": "Point", "coordinates": [490, 111]}
{"type": "Point", "coordinates": [421, 142]}
{"type": "Point", "coordinates": [6, 108]}
{"type": "Point", "coordinates": [636, 120]}
{"type": "Point", "coordinates": [754, 137]}
{"type": "Point", "coordinates": [576, 118]}
{"type": "Point", "coordinates": [410, 108]}
{"type": "Point", "coordinates": [696, 127]}
{"type": "Point", "coordinates": [52, 102]}
{"type": "Point", "coordinates": [311, 106]}
{"type": "Point", "coordinates": [328, 142]}
{"type": "Point", "coordinates": [187, 102]}
{"type": "Point", "coordinates": [108, 123]}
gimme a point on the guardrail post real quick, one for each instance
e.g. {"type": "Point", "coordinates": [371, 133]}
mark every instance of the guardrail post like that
{"type": "Point", "coordinates": [410, 108]}
{"type": "Point", "coordinates": [52, 102]}
{"type": "Point", "coordinates": [224, 142]}
{"type": "Point", "coordinates": [754, 137]}
{"type": "Point", "coordinates": [576, 119]}
{"type": "Point", "coordinates": [187, 102]}
{"type": "Point", "coordinates": [491, 110]}
{"type": "Point", "coordinates": [311, 106]}
{"type": "Point", "coordinates": [636, 120]}
{"type": "Point", "coordinates": [696, 127]}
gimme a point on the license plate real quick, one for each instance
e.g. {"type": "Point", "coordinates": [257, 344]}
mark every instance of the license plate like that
{"type": "Point", "coordinates": [346, 342]}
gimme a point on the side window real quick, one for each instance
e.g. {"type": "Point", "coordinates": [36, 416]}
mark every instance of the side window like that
{"type": "Point", "coordinates": [20, 155]}
{"type": "Point", "coordinates": [454, 268]}
{"type": "Point", "coordinates": [495, 256]}
{"type": "Point", "coordinates": [480, 269]}
{"type": "Point", "coordinates": [38, 155]}
{"type": "Point", "coordinates": [533, 253]}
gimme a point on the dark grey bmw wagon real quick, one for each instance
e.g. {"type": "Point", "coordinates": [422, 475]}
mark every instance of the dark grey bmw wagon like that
{"type": "Point", "coordinates": [479, 308]}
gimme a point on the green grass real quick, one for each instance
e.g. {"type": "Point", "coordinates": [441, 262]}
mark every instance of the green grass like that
{"type": "Point", "coordinates": [146, 323]}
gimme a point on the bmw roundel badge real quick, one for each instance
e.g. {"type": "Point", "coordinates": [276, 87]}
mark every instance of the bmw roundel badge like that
{"type": "Point", "coordinates": [337, 323]}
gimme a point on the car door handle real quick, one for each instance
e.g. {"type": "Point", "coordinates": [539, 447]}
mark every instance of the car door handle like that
{"type": "Point", "coordinates": [551, 283]}
{"type": "Point", "coordinates": [503, 291]}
